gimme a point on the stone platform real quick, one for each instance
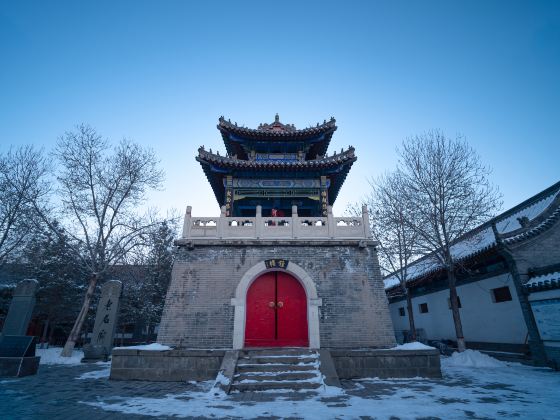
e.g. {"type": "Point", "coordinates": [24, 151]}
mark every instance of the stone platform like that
{"type": "Point", "coordinates": [354, 364]}
{"type": "Point", "coordinates": [200, 365]}
{"type": "Point", "coordinates": [166, 365]}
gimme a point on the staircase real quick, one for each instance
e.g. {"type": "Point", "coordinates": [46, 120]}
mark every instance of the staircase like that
{"type": "Point", "coordinates": [276, 369]}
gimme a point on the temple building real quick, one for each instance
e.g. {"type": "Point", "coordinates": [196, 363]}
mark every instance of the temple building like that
{"type": "Point", "coordinates": [276, 167]}
{"type": "Point", "coordinates": [275, 270]}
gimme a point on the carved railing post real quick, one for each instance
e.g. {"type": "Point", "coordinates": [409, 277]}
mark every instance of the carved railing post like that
{"type": "Point", "coordinates": [295, 223]}
{"type": "Point", "coordinates": [222, 222]}
{"type": "Point", "coordinates": [259, 222]}
{"type": "Point", "coordinates": [187, 223]}
{"type": "Point", "coordinates": [365, 222]}
{"type": "Point", "coordinates": [331, 223]}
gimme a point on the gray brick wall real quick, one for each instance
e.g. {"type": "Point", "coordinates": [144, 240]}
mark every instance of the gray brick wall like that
{"type": "Point", "coordinates": [540, 251]}
{"type": "Point", "coordinates": [354, 312]}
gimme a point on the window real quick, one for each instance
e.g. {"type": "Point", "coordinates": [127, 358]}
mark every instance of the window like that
{"type": "Point", "coordinates": [458, 302]}
{"type": "Point", "coordinates": [423, 307]}
{"type": "Point", "coordinates": [401, 311]}
{"type": "Point", "coordinates": [501, 294]}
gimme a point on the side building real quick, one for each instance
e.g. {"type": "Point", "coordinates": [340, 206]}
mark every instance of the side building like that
{"type": "Point", "coordinates": [508, 279]}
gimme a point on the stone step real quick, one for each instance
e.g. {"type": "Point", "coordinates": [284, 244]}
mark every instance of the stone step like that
{"type": "Point", "coordinates": [273, 368]}
{"type": "Point", "coordinates": [276, 369]}
{"type": "Point", "coordinates": [271, 385]}
{"type": "Point", "coordinates": [276, 360]}
{"type": "Point", "coordinates": [278, 352]}
{"type": "Point", "coordinates": [276, 376]}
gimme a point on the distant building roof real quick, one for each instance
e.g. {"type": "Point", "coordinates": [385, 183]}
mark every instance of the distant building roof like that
{"type": "Point", "coordinates": [519, 223]}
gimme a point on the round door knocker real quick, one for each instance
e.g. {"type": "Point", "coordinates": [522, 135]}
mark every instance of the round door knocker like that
{"type": "Point", "coordinates": [280, 304]}
{"type": "Point", "coordinates": [271, 304]}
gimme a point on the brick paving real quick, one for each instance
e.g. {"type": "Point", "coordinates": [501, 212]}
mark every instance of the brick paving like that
{"type": "Point", "coordinates": [57, 393]}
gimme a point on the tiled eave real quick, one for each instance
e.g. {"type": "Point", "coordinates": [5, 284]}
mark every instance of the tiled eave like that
{"type": "Point", "coordinates": [216, 167]}
{"type": "Point", "coordinates": [235, 137]}
{"type": "Point", "coordinates": [229, 162]}
{"type": "Point", "coordinates": [437, 271]}
{"type": "Point", "coordinates": [525, 234]}
{"type": "Point", "coordinates": [542, 286]}
{"type": "Point", "coordinates": [543, 278]}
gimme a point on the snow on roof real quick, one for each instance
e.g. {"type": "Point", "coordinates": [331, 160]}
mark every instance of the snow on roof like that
{"type": "Point", "coordinates": [482, 238]}
{"type": "Point", "coordinates": [555, 276]}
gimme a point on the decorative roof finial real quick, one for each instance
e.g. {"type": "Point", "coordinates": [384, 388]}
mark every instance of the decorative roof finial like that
{"type": "Point", "coordinates": [276, 118]}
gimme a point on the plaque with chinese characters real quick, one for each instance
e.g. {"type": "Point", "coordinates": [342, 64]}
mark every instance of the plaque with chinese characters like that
{"type": "Point", "coordinates": [276, 263]}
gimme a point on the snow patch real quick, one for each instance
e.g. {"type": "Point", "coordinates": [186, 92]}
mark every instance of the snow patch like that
{"type": "Point", "coordinates": [472, 358]}
{"type": "Point", "coordinates": [149, 347]}
{"type": "Point", "coordinates": [51, 356]}
{"type": "Point", "coordinates": [283, 356]}
{"type": "Point", "coordinates": [415, 345]}
{"type": "Point", "coordinates": [96, 374]}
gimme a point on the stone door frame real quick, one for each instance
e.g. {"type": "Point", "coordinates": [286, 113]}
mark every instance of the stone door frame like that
{"type": "Point", "coordinates": [239, 302]}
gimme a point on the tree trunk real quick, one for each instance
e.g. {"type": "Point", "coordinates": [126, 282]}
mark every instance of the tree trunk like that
{"type": "Point", "coordinates": [77, 328]}
{"type": "Point", "coordinates": [51, 334]}
{"type": "Point", "coordinates": [44, 335]}
{"type": "Point", "coordinates": [455, 310]}
{"type": "Point", "coordinates": [410, 316]}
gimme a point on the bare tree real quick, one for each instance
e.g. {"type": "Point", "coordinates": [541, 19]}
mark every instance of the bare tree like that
{"type": "Point", "coordinates": [22, 182]}
{"type": "Point", "coordinates": [448, 191]}
{"type": "Point", "coordinates": [397, 240]}
{"type": "Point", "coordinates": [100, 191]}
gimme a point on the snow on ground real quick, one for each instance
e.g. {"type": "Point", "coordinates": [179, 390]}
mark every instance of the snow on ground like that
{"type": "Point", "coordinates": [473, 358]}
{"type": "Point", "coordinates": [494, 390]}
{"type": "Point", "coordinates": [51, 356]}
{"type": "Point", "coordinates": [151, 347]}
{"type": "Point", "coordinates": [96, 374]}
{"type": "Point", "coordinates": [415, 345]}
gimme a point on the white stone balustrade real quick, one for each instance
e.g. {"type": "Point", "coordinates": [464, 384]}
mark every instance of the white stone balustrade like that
{"type": "Point", "coordinates": [294, 227]}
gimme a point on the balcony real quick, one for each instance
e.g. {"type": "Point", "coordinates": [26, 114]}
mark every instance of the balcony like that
{"type": "Point", "coordinates": [276, 228]}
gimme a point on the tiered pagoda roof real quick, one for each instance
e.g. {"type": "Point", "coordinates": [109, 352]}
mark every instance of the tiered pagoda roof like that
{"type": "Point", "coordinates": [277, 151]}
{"type": "Point", "coordinates": [240, 140]}
{"type": "Point", "coordinates": [336, 167]}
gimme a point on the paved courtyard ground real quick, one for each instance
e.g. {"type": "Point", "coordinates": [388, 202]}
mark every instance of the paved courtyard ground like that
{"type": "Point", "coordinates": [84, 392]}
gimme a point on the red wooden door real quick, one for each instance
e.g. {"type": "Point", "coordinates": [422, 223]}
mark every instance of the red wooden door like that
{"type": "Point", "coordinates": [291, 323]}
{"type": "Point", "coordinates": [276, 312]}
{"type": "Point", "coordinates": [260, 325]}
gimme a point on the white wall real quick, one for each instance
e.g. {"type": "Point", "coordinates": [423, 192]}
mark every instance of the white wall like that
{"type": "Point", "coordinates": [483, 320]}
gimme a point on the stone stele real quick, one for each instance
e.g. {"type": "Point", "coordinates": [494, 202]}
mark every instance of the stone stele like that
{"type": "Point", "coordinates": [105, 323]}
{"type": "Point", "coordinates": [21, 308]}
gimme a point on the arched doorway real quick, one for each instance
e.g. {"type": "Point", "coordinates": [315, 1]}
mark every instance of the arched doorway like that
{"type": "Point", "coordinates": [276, 312]}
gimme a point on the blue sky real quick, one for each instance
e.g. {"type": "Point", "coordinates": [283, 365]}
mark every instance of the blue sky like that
{"type": "Point", "coordinates": [162, 72]}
